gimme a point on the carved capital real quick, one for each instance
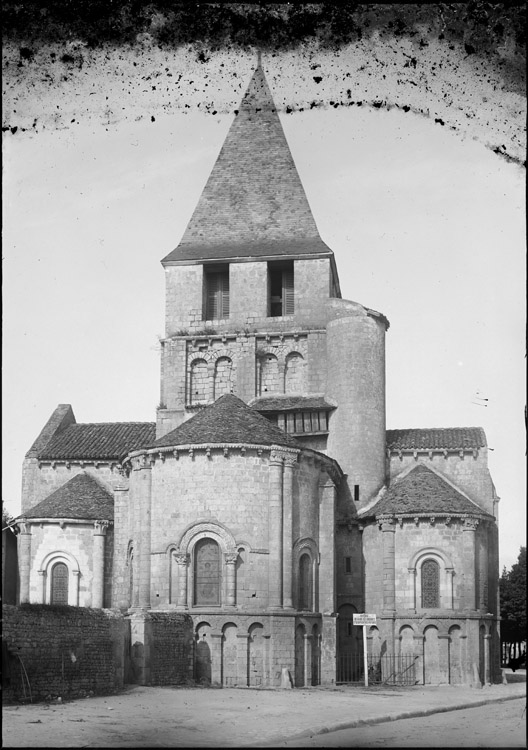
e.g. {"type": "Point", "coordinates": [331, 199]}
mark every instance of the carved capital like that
{"type": "Point", "coordinates": [181, 558]}
{"type": "Point", "coordinates": [100, 527]}
{"type": "Point", "coordinates": [289, 461]}
{"type": "Point", "coordinates": [230, 558]}
{"type": "Point", "coordinates": [387, 524]}
{"type": "Point", "coordinates": [276, 458]}
{"type": "Point", "coordinates": [470, 524]}
{"type": "Point", "coordinates": [24, 527]}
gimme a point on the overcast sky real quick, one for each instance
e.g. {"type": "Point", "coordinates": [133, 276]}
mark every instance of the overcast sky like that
{"type": "Point", "coordinates": [427, 227]}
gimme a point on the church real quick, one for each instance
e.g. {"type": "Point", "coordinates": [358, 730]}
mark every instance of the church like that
{"type": "Point", "coordinates": [268, 500]}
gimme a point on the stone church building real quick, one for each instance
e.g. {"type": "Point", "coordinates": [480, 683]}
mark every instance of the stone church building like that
{"type": "Point", "coordinates": [268, 500]}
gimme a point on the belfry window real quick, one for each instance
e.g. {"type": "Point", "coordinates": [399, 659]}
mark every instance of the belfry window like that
{"type": "Point", "coordinates": [280, 289]}
{"type": "Point", "coordinates": [305, 582]}
{"type": "Point", "coordinates": [216, 292]}
{"type": "Point", "coordinates": [206, 573]}
{"type": "Point", "coordinates": [430, 584]}
{"type": "Point", "coordinates": [59, 583]}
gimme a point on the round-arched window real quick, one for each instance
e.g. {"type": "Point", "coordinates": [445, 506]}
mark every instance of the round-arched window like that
{"type": "Point", "coordinates": [59, 583]}
{"type": "Point", "coordinates": [430, 584]}
{"type": "Point", "coordinates": [206, 573]}
{"type": "Point", "coordinates": [305, 582]}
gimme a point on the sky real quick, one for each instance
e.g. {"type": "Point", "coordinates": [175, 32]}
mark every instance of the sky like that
{"type": "Point", "coordinates": [427, 226]}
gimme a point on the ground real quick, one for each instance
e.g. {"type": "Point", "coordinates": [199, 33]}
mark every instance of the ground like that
{"type": "Point", "coordinates": [231, 717]}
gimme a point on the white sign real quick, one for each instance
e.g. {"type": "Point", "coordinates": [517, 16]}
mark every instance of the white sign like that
{"type": "Point", "coordinates": [363, 619]}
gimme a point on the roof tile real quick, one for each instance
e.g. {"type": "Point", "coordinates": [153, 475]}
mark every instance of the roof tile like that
{"type": "Point", "coordinates": [422, 491]}
{"type": "Point", "coordinates": [103, 441]}
{"type": "Point", "coordinates": [437, 438]}
{"type": "Point", "coordinates": [82, 497]}
{"type": "Point", "coordinates": [228, 420]}
{"type": "Point", "coordinates": [290, 403]}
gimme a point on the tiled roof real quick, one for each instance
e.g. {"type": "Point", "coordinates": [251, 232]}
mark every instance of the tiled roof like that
{"type": "Point", "coordinates": [61, 418]}
{"type": "Point", "coordinates": [422, 491]}
{"type": "Point", "coordinates": [104, 441]}
{"type": "Point", "coordinates": [290, 403]}
{"type": "Point", "coordinates": [83, 497]}
{"type": "Point", "coordinates": [228, 420]}
{"type": "Point", "coordinates": [439, 438]}
{"type": "Point", "coordinates": [253, 202]}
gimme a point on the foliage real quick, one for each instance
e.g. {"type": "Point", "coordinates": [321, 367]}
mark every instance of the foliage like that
{"type": "Point", "coordinates": [7, 518]}
{"type": "Point", "coordinates": [513, 601]}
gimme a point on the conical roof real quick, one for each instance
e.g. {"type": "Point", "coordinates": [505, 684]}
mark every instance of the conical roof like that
{"type": "Point", "coordinates": [423, 491]}
{"type": "Point", "coordinates": [253, 203]}
{"type": "Point", "coordinates": [228, 420]}
{"type": "Point", "coordinates": [82, 497]}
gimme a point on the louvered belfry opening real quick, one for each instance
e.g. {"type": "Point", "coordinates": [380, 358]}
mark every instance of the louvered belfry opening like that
{"type": "Point", "coordinates": [280, 288]}
{"type": "Point", "coordinates": [216, 292]}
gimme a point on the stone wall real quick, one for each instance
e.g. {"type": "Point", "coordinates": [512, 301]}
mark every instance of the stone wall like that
{"type": "Point", "coordinates": [66, 652]}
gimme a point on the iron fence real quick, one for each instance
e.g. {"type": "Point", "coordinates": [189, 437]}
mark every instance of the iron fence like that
{"type": "Point", "coordinates": [388, 669]}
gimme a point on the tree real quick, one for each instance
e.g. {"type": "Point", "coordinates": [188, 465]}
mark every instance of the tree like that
{"type": "Point", "coordinates": [513, 605]}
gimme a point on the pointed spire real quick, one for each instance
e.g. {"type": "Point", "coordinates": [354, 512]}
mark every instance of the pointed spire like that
{"type": "Point", "coordinates": [253, 203]}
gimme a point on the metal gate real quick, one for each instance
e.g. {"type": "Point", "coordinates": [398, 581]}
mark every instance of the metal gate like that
{"type": "Point", "coordinates": [382, 670]}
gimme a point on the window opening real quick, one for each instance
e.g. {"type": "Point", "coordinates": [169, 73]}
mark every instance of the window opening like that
{"type": "Point", "coordinates": [356, 493]}
{"type": "Point", "coordinates": [59, 583]}
{"type": "Point", "coordinates": [430, 584]}
{"type": "Point", "coordinates": [305, 582]}
{"type": "Point", "coordinates": [348, 565]}
{"type": "Point", "coordinates": [216, 282]}
{"type": "Point", "coordinates": [206, 573]}
{"type": "Point", "coordinates": [280, 289]}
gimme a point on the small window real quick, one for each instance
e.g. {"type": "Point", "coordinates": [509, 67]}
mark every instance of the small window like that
{"type": "Point", "coordinates": [59, 583]}
{"type": "Point", "coordinates": [305, 582]}
{"type": "Point", "coordinates": [356, 493]}
{"type": "Point", "coordinates": [280, 289]}
{"type": "Point", "coordinates": [348, 565]}
{"type": "Point", "coordinates": [216, 292]}
{"type": "Point", "coordinates": [349, 627]}
{"type": "Point", "coordinates": [430, 584]}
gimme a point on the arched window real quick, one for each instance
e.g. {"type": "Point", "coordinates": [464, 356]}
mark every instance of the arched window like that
{"type": "Point", "coordinates": [198, 382]}
{"type": "Point", "coordinates": [59, 583]}
{"type": "Point", "coordinates": [206, 573]}
{"type": "Point", "coordinates": [223, 376]}
{"type": "Point", "coordinates": [294, 374]}
{"type": "Point", "coordinates": [269, 374]}
{"type": "Point", "coordinates": [305, 582]}
{"type": "Point", "coordinates": [430, 584]}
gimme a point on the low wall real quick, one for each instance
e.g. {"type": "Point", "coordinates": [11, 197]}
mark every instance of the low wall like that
{"type": "Point", "coordinates": [61, 651]}
{"type": "Point", "coordinates": [171, 651]}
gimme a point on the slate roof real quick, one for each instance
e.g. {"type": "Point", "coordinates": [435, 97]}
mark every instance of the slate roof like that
{"type": "Point", "coordinates": [439, 438]}
{"type": "Point", "coordinates": [422, 491]}
{"type": "Point", "coordinates": [98, 440]}
{"type": "Point", "coordinates": [254, 203]}
{"type": "Point", "coordinates": [83, 497]}
{"type": "Point", "coordinates": [228, 420]}
{"type": "Point", "coordinates": [291, 403]}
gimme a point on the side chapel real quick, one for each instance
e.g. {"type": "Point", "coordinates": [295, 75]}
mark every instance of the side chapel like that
{"type": "Point", "coordinates": [268, 500]}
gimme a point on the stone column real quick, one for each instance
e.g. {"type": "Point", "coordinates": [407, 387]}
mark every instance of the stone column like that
{"type": "Point", "coordinates": [230, 566]}
{"type": "Point", "coordinates": [307, 677]}
{"type": "Point", "coordinates": [209, 389]}
{"type": "Point", "coordinates": [287, 532]}
{"type": "Point", "coordinates": [243, 674]}
{"type": "Point", "coordinates": [215, 637]}
{"type": "Point", "coordinates": [99, 534]}
{"type": "Point", "coordinates": [143, 481]}
{"type": "Point", "coordinates": [450, 572]}
{"type": "Point", "coordinates": [275, 531]}
{"type": "Point", "coordinates": [487, 660]}
{"type": "Point", "coordinates": [24, 557]}
{"type": "Point", "coordinates": [182, 560]}
{"type": "Point", "coordinates": [388, 528]}
{"type": "Point", "coordinates": [327, 502]}
{"type": "Point", "coordinates": [281, 367]}
{"type": "Point", "coordinates": [468, 551]}
{"type": "Point", "coordinates": [443, 657]}
{"type": "Point", "coordinates": [419, 662]}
